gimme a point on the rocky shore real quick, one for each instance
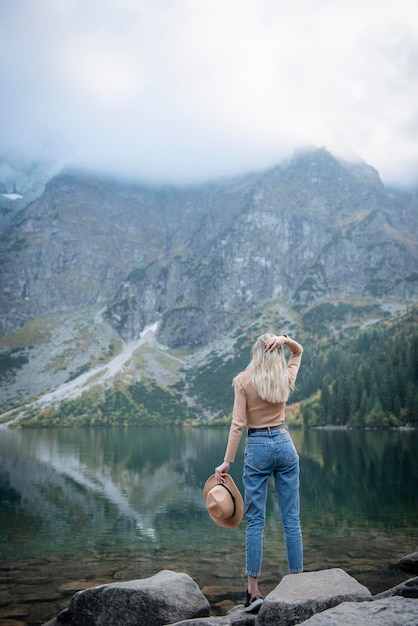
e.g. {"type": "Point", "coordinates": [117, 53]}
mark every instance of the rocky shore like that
{"type": "Point", "coordinates": [320, 598]}
{"type": "Point", "coordinates": [33, 591]}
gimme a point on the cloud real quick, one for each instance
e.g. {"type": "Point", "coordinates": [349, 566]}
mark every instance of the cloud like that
{"type": "Point", "coordinates": [184, 90]}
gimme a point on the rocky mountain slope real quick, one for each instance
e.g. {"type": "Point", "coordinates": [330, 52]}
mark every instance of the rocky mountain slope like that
{"type": "Point", "coordinates": [314, 241]}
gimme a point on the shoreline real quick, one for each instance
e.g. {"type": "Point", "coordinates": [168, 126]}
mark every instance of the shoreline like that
{"type": "Point", "coordinates": [36, 589]}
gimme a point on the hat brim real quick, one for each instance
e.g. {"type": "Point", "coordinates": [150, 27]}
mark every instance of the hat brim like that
{"type": "Point", "coordinates": [236, 519]}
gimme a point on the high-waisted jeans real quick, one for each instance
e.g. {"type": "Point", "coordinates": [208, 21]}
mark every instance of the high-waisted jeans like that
{"type": "Point", "coordinates": [271, 453]}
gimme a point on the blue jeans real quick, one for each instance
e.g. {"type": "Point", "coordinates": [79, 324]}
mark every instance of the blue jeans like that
{"type": "Point", "coordinates": [271, 453]}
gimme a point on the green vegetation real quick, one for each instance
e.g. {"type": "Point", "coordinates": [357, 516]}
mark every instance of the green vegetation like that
{"type": "Point", "coordinates": [362, 379]}
{"type": "Point", "coordinates": [138, 274]}
{"type": "Point", "coordinates": [211, 384]}
{"type": "Point", "coordinates": [350, 376]}
{"type": "Point", "coordinates": [12, 361]}
{"type": "Point", "coordinates": [34, 333]}
{"type": "Point", "coordinates": [323, 315]}
{"type": "Point", "coordinates": [134, 405]}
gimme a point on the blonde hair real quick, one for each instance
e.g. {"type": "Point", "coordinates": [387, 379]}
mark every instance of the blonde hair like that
{"type": "Point", "coordinates": [268, 371]}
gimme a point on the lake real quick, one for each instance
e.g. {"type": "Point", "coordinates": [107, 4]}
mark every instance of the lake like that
{"type": "Point", "coordinates": [83, 506]}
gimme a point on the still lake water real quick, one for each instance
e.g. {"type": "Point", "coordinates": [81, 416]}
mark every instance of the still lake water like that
{"type": "Point", "coordinates": [136, 495]}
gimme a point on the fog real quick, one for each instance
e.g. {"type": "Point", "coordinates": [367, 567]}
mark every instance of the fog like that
{"type": "Point", "coordinates": [186, 90]}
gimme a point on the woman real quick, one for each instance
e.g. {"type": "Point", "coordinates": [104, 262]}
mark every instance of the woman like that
{"type": "Point", "coordinates": [261, 392]}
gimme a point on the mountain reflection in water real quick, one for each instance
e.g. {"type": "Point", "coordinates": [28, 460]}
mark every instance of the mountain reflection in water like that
{"type": "Point", "coordinates": [136, 495]}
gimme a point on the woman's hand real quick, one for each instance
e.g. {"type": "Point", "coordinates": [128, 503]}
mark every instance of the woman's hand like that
{"type": "Point", "coordinates": [221, 471]}
{"type": "Point", "coordinates": [274, 342]}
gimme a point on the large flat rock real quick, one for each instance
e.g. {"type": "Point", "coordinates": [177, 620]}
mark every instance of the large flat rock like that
{"type": "Point", "coordinates": [395, 611]}
{"type": "Point", "coordinates": [299, 596]}
{"type": "Point", "coordinates": [164, 598]}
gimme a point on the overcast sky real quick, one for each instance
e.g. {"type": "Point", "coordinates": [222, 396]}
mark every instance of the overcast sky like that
{"type": "Point", "coordinates": [184, 90]}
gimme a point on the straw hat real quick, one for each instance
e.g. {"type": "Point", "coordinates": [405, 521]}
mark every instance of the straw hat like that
{"type": "Point", "coordinates": [223, 502]}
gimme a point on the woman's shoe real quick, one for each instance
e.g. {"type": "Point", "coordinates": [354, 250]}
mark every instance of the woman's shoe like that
{"type": "Point", "coordinates": [253, 603]}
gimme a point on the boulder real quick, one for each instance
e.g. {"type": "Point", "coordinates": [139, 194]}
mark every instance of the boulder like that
{"type": "Point", "coordinates": [235, 617]}
{"type": "Point", "coordinates": [299, 596]}
{"type": "Point", "coordinates": [409, 563]}
{"type": "Point", "coordinates": [205, 621]}
{"type": "Point", "coordinates": [395, 611]}
{"type": "Point", "coordinates": [407, 589]}
{"type": "Point", "coordinates": [309, 598]}
{"type": "Point", "coordinates": [164, 598]}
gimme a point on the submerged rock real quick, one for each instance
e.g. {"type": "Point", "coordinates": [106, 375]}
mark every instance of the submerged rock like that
{"type": "Point", "coordinates": [407, 589]}
{"type": "Point", "coordinates": [409, 563]}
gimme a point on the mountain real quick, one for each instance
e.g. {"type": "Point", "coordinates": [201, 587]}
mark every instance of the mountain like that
{"type": "Point", "coordinates": [92, 266]}
{"type": "Point", "coordinates": [21, 182]}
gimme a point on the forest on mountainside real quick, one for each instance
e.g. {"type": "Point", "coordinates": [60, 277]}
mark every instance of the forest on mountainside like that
{"type": "Point", "coordinates": [365, 378]}
{"type": "Point", "coordinates": [362, 379]}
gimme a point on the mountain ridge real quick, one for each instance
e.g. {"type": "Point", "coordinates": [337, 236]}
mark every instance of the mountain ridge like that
{"type": "Point", "coordinates": [309, 244]}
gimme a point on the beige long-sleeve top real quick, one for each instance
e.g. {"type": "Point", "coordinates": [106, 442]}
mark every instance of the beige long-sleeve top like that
{"type": "Point", "coordinates": [250, 410]}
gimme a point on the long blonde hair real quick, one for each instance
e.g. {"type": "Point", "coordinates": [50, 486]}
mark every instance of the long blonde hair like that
{"type": "Point", "coordinates": [268, 371]}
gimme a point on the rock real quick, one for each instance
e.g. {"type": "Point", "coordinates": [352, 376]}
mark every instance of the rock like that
{"type": "Point", "coordinates": [299, 596]}
{"type": "Point", "coordinates": [205, 621]}
{"type": "Point", "coordinates": [409, 563]}
{"type": "Point", "coordinates": [214, 592]}
{"type": "Point", "coordinates": [79, 585]}
{"type": "Point", "coordinates": [64, 617]}
{"type": "Point", "coordinates": [14, 612]}
{"type": "Point", "coordinates": [238, 617]}
{"type": "Point", "coordinates": [224, 606]}
{"type": "Point", "coordinates": [321, 598]}
{"type": "Point", "coordinates": [394, 611]}
{"type": "Point", "coordinates": [407, 589]}
{"type": "Point", "coordinates": [164, 598]}
{"type": "Point", "coordinates": [235, 617]}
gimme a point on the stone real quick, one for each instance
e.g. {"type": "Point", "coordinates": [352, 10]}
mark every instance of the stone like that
{"type": "Point", "coordinates": [14, 612]}
{"type": "Point", "coordinates": [224, 606]}
{"type": "Point", "coordinates": [235, 617]}
{"type": "Point", "coordinates": [394, 611]}
{"type": "Point", "coordinates": [79, 585]}
{"type": "Point", "coordinates": [164, 598]}
{"type": "Point", "coordinates": [409, 563]}
{"type": "Point", "coordinates": [168, 598]}
{"type": "Point", "coordinates": [407, 589]}
{"type": "Point", "coordinates": [214, 592]}
{"type": "Point", "coordinates": [205, 621]}
{"type": "Point", "coordinates": [299, 596]}
{"type": "Point", "coordinates": [64, 617]}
